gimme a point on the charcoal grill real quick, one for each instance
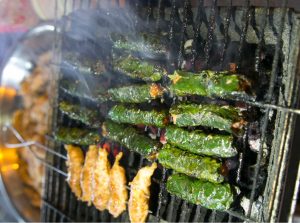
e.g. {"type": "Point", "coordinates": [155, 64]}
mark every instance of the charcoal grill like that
{"type": "Point", "coordinates": [260, 38]}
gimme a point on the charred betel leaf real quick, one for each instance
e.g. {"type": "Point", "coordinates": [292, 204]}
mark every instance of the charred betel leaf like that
{"type": "Point", "coordinates": [133, 115]}
{"type": "Point", "coordinates": [201, 143]}
{"type": "Point", "coordinates": [204, 168]}
{"type": "Point", "coordinates": [210, 195]}
{"type": "Point", "coordinates": [129, 137]}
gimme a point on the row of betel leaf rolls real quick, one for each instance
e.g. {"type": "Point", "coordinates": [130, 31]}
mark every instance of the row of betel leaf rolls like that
{"type": "Point", "coordinates": [195, 155]}
{"type": "Point", "coordinates": [183, 153]}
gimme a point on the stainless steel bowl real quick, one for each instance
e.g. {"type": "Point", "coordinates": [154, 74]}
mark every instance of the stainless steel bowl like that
{"type": "Point", "coordinates": [19, 64]}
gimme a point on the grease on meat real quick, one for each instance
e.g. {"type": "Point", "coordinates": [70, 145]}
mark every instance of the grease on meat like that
{"type": "Point", "coordinates": [119, 193]}
{"type": "Point", "coordinates": [87, 174]}
{"type": "Point", "coordinates": [138, 204]}
{"type": "Point", "coordinates": [101, 179]}
{"type": "Point", "coordinates": [74, 163]}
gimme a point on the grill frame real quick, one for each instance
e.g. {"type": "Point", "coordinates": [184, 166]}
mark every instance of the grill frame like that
{"type": "Point", "coordinates": [55, 184]}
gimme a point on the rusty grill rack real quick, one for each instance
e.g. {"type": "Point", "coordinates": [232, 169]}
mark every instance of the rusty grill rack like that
{"type": "Point", "coordinates": [59, 204]}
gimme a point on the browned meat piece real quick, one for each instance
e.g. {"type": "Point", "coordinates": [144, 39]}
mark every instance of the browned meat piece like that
{"type": "Point", "coordinates": [87, 174]}
{"type": "Point", "coordinates": [119, 193]}
{"type": "Point", "coordinates": [138, 204]}
{"type": "Point", "coordinates": [101, 192]}
{"type": "Point", "coordinates": [74, 163]}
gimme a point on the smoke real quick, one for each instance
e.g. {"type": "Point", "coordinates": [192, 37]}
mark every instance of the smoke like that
{"type": "Point", "coordinates": [88, 37]}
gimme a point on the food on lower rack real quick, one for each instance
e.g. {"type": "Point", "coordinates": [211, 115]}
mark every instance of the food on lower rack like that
{"type": "Point", "coordinates": [101, 180]}
{"type": "Point", "coordinates": [119, 194]}
{"type": "Point", "coordinates": [148, 45]}
{"type": "Point", "coordinates": [77, 112]}
{"type": "Point", "coordinates": [208, 83]}
{"type": "Point", "coordinates": [138, 204]}
{"type": "Point", "coordinates": [87, 174]}
{"type": "Point", "coordinates": [210, 195]}
{"type": "Point", "coordinates": [135, 116]}
{"type": "Point", "coordinates": [204, 168]}
{"type": "Point", "coordinates": [220, 117]}
{"type": "Point", "coordinates": [75, 164]}
{"type": "Point", "coordinates": [73, 61]}
{"type": "Point", "coordinates": [139, 69]}
{"type": "Point", "coordinates": [201, 143]}
{"type": "Point", "coordinates": [129, 137]}
{"type": "Point", "coordinates": [84, 89]}
{"type": "Point", "coordinates": [136, 93]}
{"type": "Point", "coordinates": [77, 136]}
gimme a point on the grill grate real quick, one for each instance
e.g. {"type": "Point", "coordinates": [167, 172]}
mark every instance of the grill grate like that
{"type": "Point", "coordinates": [217, 32]}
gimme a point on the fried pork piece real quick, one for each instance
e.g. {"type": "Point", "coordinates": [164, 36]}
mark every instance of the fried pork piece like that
{"type": "Point", "coordinates": [75, 163]}
{"type": "Point", "coordinates": [87, 174]}
{"type": "Point", "coordinates": [138, 204]}
{"type": "Point", "coordinates": [101, 178]}
{"type": "Point", "coordinates": [119, 193]}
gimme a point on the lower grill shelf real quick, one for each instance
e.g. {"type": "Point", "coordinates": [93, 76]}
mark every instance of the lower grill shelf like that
{"type": "Point", "coordinates": [60, 204]}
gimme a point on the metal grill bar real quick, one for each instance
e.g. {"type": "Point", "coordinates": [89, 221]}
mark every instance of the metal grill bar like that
{"type": "Point", "coordinates": [246, 18]}
{"type": "Point", "coordinates": [184, 210]}
{"type": "Point", "coordinates": [197, 37]}
{"type": "Point", "coordinates": [226, 34]}
{"type": "Point", "coordinates": [277, 53]}
{"type": "Point", "coordinates": [161, 195]}
{"type": "Point", "coordinates": [136, 6]}
{"type": "Point", "coordinates": [183, 32]}
{"type": "Point", "coordinates": [57, 211]}
{"type": "Point", "coordinates": [149, 12]}
{"type": "Point", "coordinates": [210, 33]}
{"type": "Point", "coordinates": [159, 14]}
{"type": "Point", "coordinates": [26, 144]}
{"type": "Point", "coordinates": [266, 117]}
{"type": "Point", "coordinates": [197, 214]}
{"type": "Point", "coordinates": [261, 41]}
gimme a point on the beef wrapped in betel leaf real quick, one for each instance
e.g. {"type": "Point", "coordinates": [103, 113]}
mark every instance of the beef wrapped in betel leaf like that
{"type": "Point", "coordinates": [225, 118]}
{"type": "Point", "coordinates": [77, 136]}
{"type": "Point", "coordinates": [207, 194]}
{"type": "Point", "coordinates": [129, 137]}
{"type": "Point", "coordinates": [204, 168]}
{"type": "Point", "coordinates": [208, 83]}
{"type": "Point", "coordinates": [139, 69]}
{"type": "Point", "coordinates": [201, 143]}
{"type": "Point", "coordinates": [135, 116]}
{"type": "Point", "coordinates": [136, 93]}
{"type": "Point", "coordinates": [77, 112]}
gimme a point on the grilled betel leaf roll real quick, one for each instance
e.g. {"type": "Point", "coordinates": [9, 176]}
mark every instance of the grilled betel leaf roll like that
{"type": "Point", "coordinates": [136, 93]}
{"type": "Point", "coordinates": [139, 69]}
{"type": "Point", "coordinates": [147, 45]}
{"type": "Point", "coordinates": [77, 136]}
{"type": "Point", "coordinates": [204, 168]}
{"type": "Point", "coordinates": [201, 143]}
{"type": "Point", "coordinates": [207, 194]}
{"type": "Point", "coordinates": [208, 83]}
{"type": "Point", "coordinates": [225, 118]}
{"type": "Point", "coordinates": [129, 137]}
{"type": "Point", "coordinates": [80, 113]}
{"type": "Point", "coordinates": [132, 115]}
